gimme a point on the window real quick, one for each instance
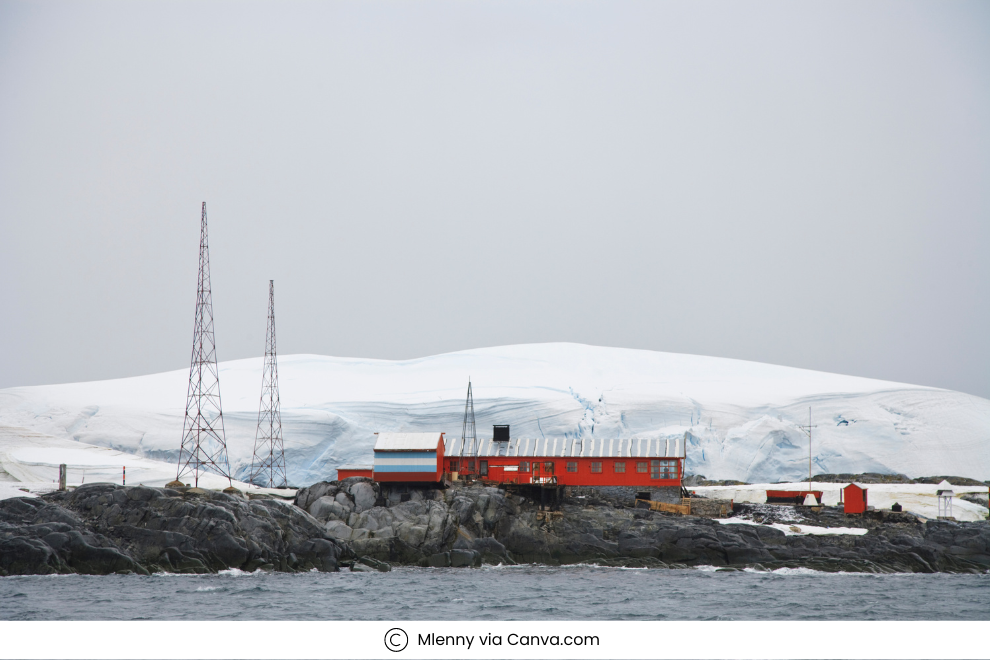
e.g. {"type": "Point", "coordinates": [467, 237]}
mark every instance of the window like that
{"type": "Point", "coordinates": [641, 466]}
{"type": "Point", "coordinates": [654, 469]}
{"type": "Point", "coordinates": [453, 466]}
{"type": "Point", "coordinates": [596, 467]}
{"type": "Point", "coordinates": [619, 466]}
{"type": "Point", "coordinates": [524, 466]}
{"type": "Point", "coordinates": [668, 469]}
{"type": "Point", "coordinates": [548, 467]}
{"type": "Point", "coordinates": [484, 468]}
{"type": "Point", "coordinates": [572, 466]}
{"type": "Point", "coordinates": [470, 466]}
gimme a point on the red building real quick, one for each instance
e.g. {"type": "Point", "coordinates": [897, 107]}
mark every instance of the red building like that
{"type": "Point", "coordinates": [649, 462]}
{"type": "Point", "coordinates": [854, 499]}
{"type": "Point", "coordinates": [409, 457]}
{"type": "Point", "coordinates": [346, 471]}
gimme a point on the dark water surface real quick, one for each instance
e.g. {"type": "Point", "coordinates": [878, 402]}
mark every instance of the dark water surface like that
{"type": "Point", "coordinates": [503, 593]}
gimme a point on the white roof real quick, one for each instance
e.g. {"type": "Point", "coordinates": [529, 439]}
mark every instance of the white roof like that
{"type": "Point", "coordinates": [944, 488]}
{"type": "Point", "coordinates": [408, 441]}
{"type": "Point", "coordinates": [564, 447]}
{"type": "Point", "coordinates": [356, 467]}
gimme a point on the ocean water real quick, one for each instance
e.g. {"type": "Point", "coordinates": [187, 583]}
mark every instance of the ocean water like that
{"type": "Point", "coordinates": [501, 593]}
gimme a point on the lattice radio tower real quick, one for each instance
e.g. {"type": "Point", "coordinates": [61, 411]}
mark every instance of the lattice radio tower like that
{"type": "Point", "coordinates": [469, 440]}
{"type": "Point", "coordinates": [268, 464]}
{"type": "Point", "coordinates": [204, 446]}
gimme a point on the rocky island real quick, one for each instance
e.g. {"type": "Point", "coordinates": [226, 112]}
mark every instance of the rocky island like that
{"type": "Point", "coordinates": [356, 524]}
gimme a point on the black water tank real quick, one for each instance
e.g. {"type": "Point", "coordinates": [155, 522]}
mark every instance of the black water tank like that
{"type": "Point", "coordinates": [500, 432]}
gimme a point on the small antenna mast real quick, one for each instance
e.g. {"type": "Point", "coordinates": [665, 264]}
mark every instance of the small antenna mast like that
{"type": "Point", "coordinates": [807, 429]}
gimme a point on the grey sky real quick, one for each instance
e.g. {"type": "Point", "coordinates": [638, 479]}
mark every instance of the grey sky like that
{"type": "Point", "coordinates": [805, 184]}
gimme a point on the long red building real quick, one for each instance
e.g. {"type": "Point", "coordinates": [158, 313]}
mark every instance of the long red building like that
{"type": "Point", "coordinates": [644, 462]}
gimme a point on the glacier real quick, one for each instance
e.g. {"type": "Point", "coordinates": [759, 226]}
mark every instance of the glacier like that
{"type": "Point", "coordinates": [741, 419]}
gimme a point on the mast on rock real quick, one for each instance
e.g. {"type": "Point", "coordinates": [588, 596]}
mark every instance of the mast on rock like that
{"type": "Point", "coordinates": [469, 439]}
{"type": "Point", "coordinates": [204, 445]}
{"type": "Point", "coordinates": [268, 464]}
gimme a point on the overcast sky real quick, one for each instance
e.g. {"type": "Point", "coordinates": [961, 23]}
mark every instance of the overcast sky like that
{"type": "Point", "coordinates": [805, 184]}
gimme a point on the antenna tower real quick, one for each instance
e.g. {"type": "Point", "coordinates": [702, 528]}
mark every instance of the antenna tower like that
{"type": "Point", "coordinates": [469, 440]}
{"type": "Point", "coordinates": [268, 464]}
{"type": "Point", "coordinates": [807, 429]}
{"type": "Point", "coordinates": [204, 446]}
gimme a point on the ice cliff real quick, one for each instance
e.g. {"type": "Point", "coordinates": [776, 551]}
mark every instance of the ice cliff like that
{"type": "Point", "coordinates": [742, 418]}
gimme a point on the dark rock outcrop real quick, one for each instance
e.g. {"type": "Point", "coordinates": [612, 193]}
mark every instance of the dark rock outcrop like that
{"type": "Point", "coordinates": [976, 498]}
{"type": "Point", "coordinates": [496, 527]}
{"type": "Point", "coordinates": [104, 528]}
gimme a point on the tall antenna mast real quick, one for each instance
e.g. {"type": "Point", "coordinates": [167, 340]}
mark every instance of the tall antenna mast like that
{"type": "Point", "coordinates": [807, 429]}
{"type": "Point", "coordinates": [268, 464]}
{"type": "Point", "coordinates": [204, 446]}
{"type": "Point", "coordinates": [469, 440]}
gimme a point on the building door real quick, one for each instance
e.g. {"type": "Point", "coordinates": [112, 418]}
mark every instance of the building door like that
{"type": "Point", "coordinates": [483, 471]}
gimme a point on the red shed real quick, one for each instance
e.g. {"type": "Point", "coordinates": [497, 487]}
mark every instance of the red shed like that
{"type": "Point", "coordinates": [573, 462]}
{"type": "Point", "coordinates": [854, 499]}
{"type": "Point", "coordinates": [346, 471]}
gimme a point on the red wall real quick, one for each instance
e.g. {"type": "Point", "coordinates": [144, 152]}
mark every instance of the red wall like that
{"type": "Point", "coordinates": [419, 477]}
{"type": "Point", "coordinates": [344, 474]}
{"type": "Point", "coordinates": [854, 499]}
{"type": "Point", "coordinates": [583, 477]}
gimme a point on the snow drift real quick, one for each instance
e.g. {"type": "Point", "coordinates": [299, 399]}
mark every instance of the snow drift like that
{"type": "Point", "coordinates": [741, 418]}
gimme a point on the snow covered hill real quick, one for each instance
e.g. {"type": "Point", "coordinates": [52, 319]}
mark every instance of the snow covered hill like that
{"type": "Point", "coordinates": [741, 417]}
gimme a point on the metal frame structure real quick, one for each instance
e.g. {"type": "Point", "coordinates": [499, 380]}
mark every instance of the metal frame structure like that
{"type": "Point", "coordinates": [268, 463]}
{"type": "Point", "coordinates": [204, 445]}
{"type": "Point", "coordinates": [469, 438]}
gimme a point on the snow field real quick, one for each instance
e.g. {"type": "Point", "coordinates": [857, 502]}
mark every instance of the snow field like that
{"type": "Point", "coordinates": [741, 418]}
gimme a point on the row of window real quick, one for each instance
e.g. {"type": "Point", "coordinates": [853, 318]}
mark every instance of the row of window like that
{"type": "Point", "coordinates": [658, 469]}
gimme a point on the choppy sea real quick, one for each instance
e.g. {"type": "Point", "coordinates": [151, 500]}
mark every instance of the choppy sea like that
{"type": "Point", "coordinates": [502, 593]}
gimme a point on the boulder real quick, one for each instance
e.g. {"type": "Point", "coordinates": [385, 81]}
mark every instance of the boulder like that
{"type": "Point", "coordinates": [460, 558]}
{"type": "Point", "coordinates": [344, 501]}
{"type": "Point", "coordinates": [328, 508]}
{"type": "Point", "coordinates": [439, 560]}
{"type": "Point", "coordinates": [364, 496]}
{"type": "Point", "coordinates": [306, 496]}
{"type": "Point", "coordinates": [338, 530]}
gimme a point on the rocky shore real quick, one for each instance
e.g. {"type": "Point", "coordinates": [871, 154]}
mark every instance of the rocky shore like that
{"type": "Point", "coordinates": [466, 525]}
{"type": "Point", "coordinates": [355, 523]}
{"type": "Point", "coordinates": [104, 528]}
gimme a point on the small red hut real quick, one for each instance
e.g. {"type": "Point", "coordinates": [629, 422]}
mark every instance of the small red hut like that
{"type": "Point", "coordinates": [854, 499]}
